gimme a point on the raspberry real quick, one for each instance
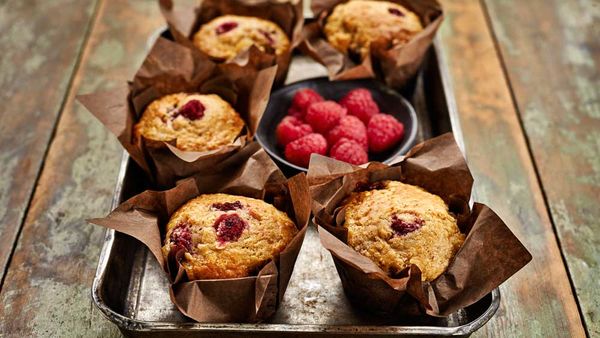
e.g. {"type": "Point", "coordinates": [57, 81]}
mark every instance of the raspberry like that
{"type": "Point", "coordinates": [322, 116]}
{"type": "Point", "coordinates": [360, 103]}
{"type": "Point", "coordinates": [384, 132]}
{"type": "Point", "coordinates": [226, 206]}
{"type": "Point", "coordinates": [267, 36]}
{"type": "Point", "coordinates": [290, 129]}
{"type": "Point", "coordinates": [192, 110]}
{"type": "Point", "coordinates": [350, 127]}
{"type": "Point", "coordinates": [349, 151]}
{"type": "Point", "coordinates": [295, 112]}
{"type": "Point", "coordinates": [366, 186]}
{"type": "Point", "coordinates": [181, 236]}
{"type": "Point", "coordinates": [226, 27]}
{"type": "Point", "coordinates": [298, 151]}
{"type": "Point", "coordinates": [229, 227]}
{"type": "Point", "coordinates": [403, 227]}
{"type": "Point", "coordinates": [395, 11]}
{"type": "Point", "coordinates": [303, 99]}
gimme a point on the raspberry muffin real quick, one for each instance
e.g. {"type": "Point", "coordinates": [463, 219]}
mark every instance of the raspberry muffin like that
{"type": "Point", "coordinates": [227, 236]}
{"type": "Point", "coordinates": [396, 225]}
{"type": "Point", "coordinates": [353, 25]}
{"type": "Point", "coordinates": [196, 122]}
{"type": "Point", "coordinates": [224, 37]}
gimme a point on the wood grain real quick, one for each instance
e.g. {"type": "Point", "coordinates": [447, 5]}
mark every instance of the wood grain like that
{"type": "Point", "coordinates": [538, 300]}
{"type": "Point", "coordinates": [46, 290]}
{"type": "Point", "coordinates": [41, 42]}
{"type": "Point", "coordinates": [47, 286]}
{"type": "Point", "coordinates": [551, 51]}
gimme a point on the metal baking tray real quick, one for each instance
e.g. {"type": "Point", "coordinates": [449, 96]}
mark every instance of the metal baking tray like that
{"type": "Point", "coordinates": [131, 290]}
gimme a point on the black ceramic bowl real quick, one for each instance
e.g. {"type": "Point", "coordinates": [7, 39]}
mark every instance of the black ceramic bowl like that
{"type": "Point", "coordinates": [389, 102]}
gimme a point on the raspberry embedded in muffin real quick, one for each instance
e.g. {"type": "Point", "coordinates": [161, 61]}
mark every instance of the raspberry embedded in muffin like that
{"type": "Point", "coordinates": [192, 110]}
{"type": "Point", "coordinates": [366, 186]}
{"type": "Point", "coordinates": [181, 236]}
{"type": "Point", "coordinates": [353, 25]}
{"type": "Point", "coordinates": [397, 224]}
{"type": "Point", "coordinates": [229, 228]}
{"type": "Point", "coordinates": [225, 27]}
{"type": "Point", "coordinates": [226, 206]}
{"type": "Point", "coordinates": [196, 122]}
{"type": "Point", "coordinates": [227, 236]}
{"type": "Point", "coordinates": [402, 225]}
{"type": "Point", "coordinates": [396, 12]}
{"type": "Point", "coordinates": [224, 37]}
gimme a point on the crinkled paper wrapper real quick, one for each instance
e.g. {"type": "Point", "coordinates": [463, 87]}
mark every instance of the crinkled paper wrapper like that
{"type": "Point", "coordinates": [171, 68]}
{"type": "Point", "coordinates": [489, 255]}
{"type": "Point", "coordinates": [246, 299]}
{"type": "Point", "coordinates": [396, 65]}
{"type": "Point", "coordinates": [184, 21]}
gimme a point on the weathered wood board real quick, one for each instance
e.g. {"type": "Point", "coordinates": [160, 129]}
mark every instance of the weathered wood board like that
{"type": "Point", "coordinates": [551, 53]}
{"type": "Point", "coordinates": [525, 75]}
{"type": "Point", "coordinates": [537, 301]}
{"type": "Point", "coordinates": [41, 43]}
{"type": "Point", "coordinates": [47, 287]}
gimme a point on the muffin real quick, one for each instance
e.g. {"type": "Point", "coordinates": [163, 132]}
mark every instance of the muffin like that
{"type": "Point", "coordinates": [396, 225]}
{"type": "Point", "coordinates": [227, 236]}
{"type": "Point", "coordinates": [353, 25]}
{"type": "Point", "coordinates": [224, 37]}
{"type": "Point", "coordinates": [196, 122]}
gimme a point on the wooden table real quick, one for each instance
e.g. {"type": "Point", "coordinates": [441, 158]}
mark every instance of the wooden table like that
{"type": "Point", "coordinates": [527, 82]}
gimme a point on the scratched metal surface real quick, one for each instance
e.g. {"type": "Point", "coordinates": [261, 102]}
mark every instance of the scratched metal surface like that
{"type": "Point", "coordinates": [131, 289]}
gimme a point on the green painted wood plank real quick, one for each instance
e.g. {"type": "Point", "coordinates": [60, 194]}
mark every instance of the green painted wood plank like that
{"type": "Point", "coordinates": [54, 233]}
{"type": "Point", "coordinates": [551, 51]}
{"type": "Point", "coordinates": [47, 288]}
{"type": "Point", "coordinates": [537, 301]}
{"type": "Point", "coordinates": [41, 42]}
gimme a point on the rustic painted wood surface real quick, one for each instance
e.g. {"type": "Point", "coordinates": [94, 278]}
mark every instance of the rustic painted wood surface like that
{"type": "Point", "coordinates": [538, 300]}
{"type": "Point", "coordinates": [555, 79]}
{"type": "Point", "coordinates": [41, 42]}
{"type": "Point", "coordinates": [47, 288]}
{"type": "Point", "coordinates": [513, 93]}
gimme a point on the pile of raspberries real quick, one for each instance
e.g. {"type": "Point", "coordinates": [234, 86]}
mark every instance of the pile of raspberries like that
{"type": "Point", "coordinates": [347, 130]}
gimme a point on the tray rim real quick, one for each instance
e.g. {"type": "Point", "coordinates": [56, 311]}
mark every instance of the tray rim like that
{"type": "Point", "coordinates": [130, 324]}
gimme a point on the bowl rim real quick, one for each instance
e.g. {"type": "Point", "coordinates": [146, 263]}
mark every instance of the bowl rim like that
{"type": "Point", "coordinates": [408, 142]}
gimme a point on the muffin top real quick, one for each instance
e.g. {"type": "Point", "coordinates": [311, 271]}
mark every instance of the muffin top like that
{"type": "Point", "coordinates": [353, 25]}
{"type": "Point", "coordinates": [196, 122]}
{"type": "Point", "coordinates": [397, 224]}
{"type": "Point", "coordinates": [224, 37]}
{"type": "Point", "coordinates": [227, 236]}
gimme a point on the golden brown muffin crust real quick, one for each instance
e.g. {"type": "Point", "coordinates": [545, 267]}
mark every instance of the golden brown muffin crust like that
{"type": "Point", "coordinates": [353, 25]}
{"type": "Point", "coordinates": [224, 37]}
{"type": "Point", "coordinates": [217, 249]}
{"type": "Point", "coordinates": [401, 224]}
{"type": "Point", "coordinates": [215, 124]}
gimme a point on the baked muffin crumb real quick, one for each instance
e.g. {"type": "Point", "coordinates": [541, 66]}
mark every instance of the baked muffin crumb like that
{"type": "Point", "coordinates": [224, 37]}
{"type": "Point", "coordinates": [196, 122]}
{"type": "Point", "coordinates": [353, 25]}
{"type": "Point", "coordinates": [397, 224]}
{"type": "Point", "coordinates": [227, 236]}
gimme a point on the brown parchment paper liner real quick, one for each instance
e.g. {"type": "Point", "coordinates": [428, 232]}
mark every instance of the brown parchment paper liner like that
{"type": "Point", "coordinates": [248, 299]}
{"type": "Point", "coordinates": [489, 255]}
{"type": "Point", "coordinates": [185, 19]}
{"type": "Point", "coordinates": [394, 64]}
{"type": "Point", "coordinates": [171, 68]}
